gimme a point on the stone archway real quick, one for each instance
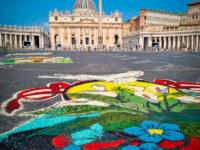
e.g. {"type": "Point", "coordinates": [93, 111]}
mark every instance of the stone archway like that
{"type": "Point", "coordinates": [56, 39]}
{"type": "Point", "coordinates": [116, 39]}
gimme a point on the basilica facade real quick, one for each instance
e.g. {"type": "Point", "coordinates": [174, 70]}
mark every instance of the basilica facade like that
{"type": "Point", "coordinates": [80, 29]}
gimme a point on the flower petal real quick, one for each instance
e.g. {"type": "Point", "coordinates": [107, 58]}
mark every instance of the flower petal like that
{"type": "Point", "coordinates": [172, 136]}
{"type": "Point", "coordinates": [155, 138]}
{"type": "Point", "coordinates": [130, 148]}
{"type": "Point", "coordinates": [149, 125]}
{"type": "Point", "coordinates": [166, 127]}
{"type": "Point", "coordinates": [135, 131]}
{"type": "Point", "coordinates": [150, 146]}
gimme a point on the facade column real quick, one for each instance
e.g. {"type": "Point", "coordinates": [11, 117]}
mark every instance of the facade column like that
{"type": "Point", "coordinates": [78, 42]}
{"type": "Point", "coordinates": [15, 41]}
{"type": "Point", "coordinates": [84, 36]}
{"type": "Point", "coordinates": [62, 33]}
{"type": "Point", "coordinates": [0, 39]}
{"type": "Point", "coordinates": [69, 36]}
{"type": "Point", "coordinates": [90, 35]}
{"type": "Point", "coordinates": [192, 44]}
{"type": "Point", "coordinates": [20, 41]}
{"type": "Point", "coordinates": [197, 43]}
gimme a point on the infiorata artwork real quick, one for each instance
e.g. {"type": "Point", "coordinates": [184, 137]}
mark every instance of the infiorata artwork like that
{"type": "Point", "coordinates": [100, 75]}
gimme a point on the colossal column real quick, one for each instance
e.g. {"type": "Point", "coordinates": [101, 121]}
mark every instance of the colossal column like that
{"type": "Point", "coordinates": [100, 37]}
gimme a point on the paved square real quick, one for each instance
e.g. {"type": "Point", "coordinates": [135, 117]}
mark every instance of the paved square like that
{"type": "Point", "coordinates": [102, 99]}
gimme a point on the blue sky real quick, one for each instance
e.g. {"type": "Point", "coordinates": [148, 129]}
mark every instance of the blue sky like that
{"type": "Point", "coordinates": [30, 12]}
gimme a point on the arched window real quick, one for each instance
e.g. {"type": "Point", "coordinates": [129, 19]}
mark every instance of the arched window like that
{"type": "Point", "coordinates": [56, 18]}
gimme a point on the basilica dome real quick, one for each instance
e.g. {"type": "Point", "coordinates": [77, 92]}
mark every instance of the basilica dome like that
{"type": "Point", "coordinates": [87, 5]}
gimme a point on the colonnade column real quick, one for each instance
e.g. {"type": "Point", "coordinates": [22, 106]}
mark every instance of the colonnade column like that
{"type": "Point", "coordinates": [197, 43]}
{"type": "Point", "coordinates": [10, 39]}
{"type": "Point", "coordinates": [0, 40]}
{"type": "Point", "coordinates": [15, 41]}
{"type": "Point", "coordinates": [160, 42]}
{"type": "Point", "coordinates": [179, 43]}
{"type": "Point", "coordinates": [141, 43]}
{"type": "Point", "coordinates": [174, 43]}
{"type": "Point", "coordinates": [150, 42]}
{"type": "Point", "coordinates": [32, 42]}
{"type": "Point", "coordinates": [192, 44]}
{"type": "Point", "coordinates": [6, 39]}
{"type": "Point", "coordinates": [188, 43]}
{"type": "Point", "coordinates": [169, 42]}
{"type": "Point", "coordinates": [40, 42]}
{"type": "Point", "coordinates": [20, 41]}
{"type": "Point", "coordinates": [25, 38]}
{"type": "Point", "coordinates": [165, 42]}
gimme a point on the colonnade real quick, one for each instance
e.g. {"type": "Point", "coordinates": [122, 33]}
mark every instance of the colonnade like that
{"type": "Point", "coordinates": [186, 42]}
{"type": "Point", "coordinates": [17, 40]}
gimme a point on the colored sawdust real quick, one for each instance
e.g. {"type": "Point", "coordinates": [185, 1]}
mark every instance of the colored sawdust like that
{"type": "Point", "coordinates": [137, 115]}
{"type": "Point", "coordinates": [28, 60]}
{"type": "Point", "coordinates": [30, 54]}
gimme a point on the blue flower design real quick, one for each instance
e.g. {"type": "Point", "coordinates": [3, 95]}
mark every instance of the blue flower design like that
{"type": "Point", "coordinates": [72, 147]}
{"type": "Point", "coordinates": [145, 146]}
{"type": "Point", "coordinates": [153, 132]}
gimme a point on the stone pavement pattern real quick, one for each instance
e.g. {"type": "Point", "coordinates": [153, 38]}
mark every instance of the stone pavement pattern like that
{"type": "Point", "coordinates": [103, 100]}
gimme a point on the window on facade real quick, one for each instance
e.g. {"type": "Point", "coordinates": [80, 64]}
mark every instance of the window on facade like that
{"type": "Point", "coordinates": [73, 30]}
{"type": "Point", "coordinates": [92, 42]}
{"type": "Point", "coordinates": [72, 18]}
{"type": "Point", "coordinates": [56, 18]}
{"type": "Point", "coordinates": [81, 42]}
{"type": "Point", "coordinates": [87, 41]}
{"type": "Point", "coordinates": [73, 41]}
{"type": "Point", "coordinates": [87, 30]}
{"type": "Point", "coordinates": [116, 19]}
